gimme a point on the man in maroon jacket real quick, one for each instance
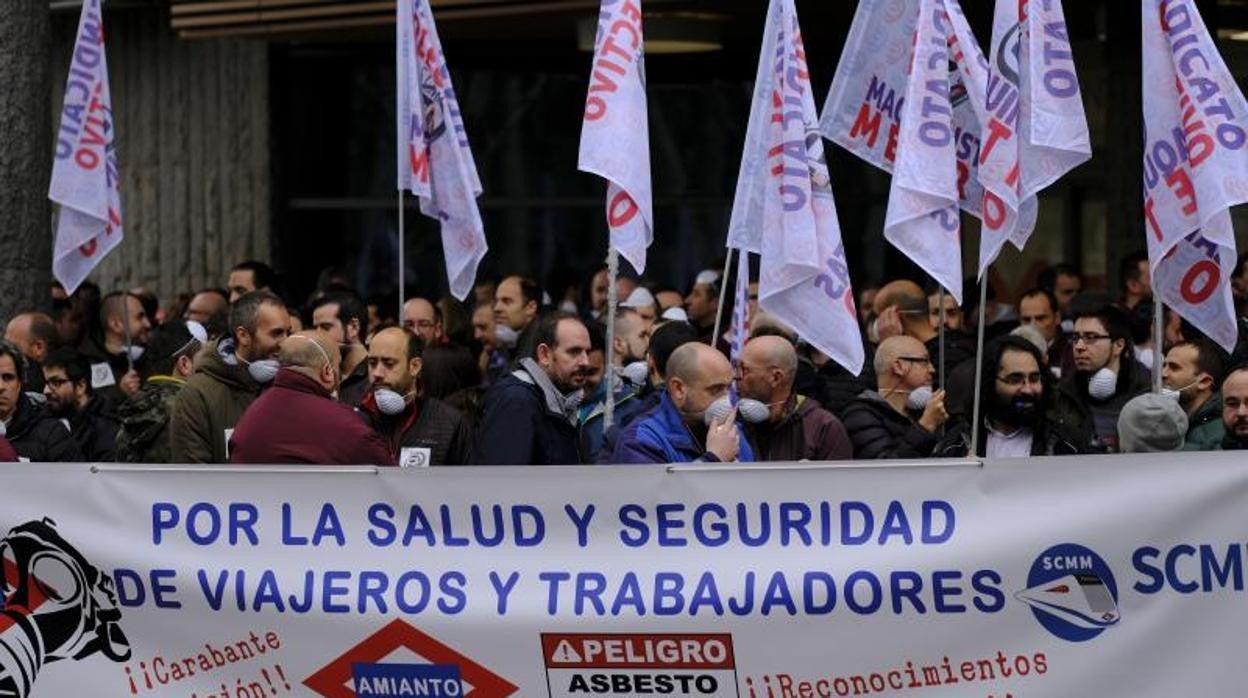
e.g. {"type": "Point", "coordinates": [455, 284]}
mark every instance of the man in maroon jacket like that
{"type": "Point", "coordinates": [297, 419]}
{"type": "Point", "coordinates": [797, 427]}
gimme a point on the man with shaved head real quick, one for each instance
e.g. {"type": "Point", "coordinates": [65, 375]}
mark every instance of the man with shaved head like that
{"type": "Point", "coordinates": [797, 427]}
{"type": "Point", "coordinates": [419, 430]}
{"type": "Point", "coordinates": [297, 420]}
{"type": "Point", "coordinates": [902, 308]}
{"type": "Point", "coordinates": [34, 334]}
{"type": "Point", "coordinates": [899, 420]}
{"type": "Point", "coordinates": [684, 428]}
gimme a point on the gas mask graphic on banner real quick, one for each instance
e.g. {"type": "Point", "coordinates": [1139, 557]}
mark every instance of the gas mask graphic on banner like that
{"type": "Point", "coordinates": [56, 606]}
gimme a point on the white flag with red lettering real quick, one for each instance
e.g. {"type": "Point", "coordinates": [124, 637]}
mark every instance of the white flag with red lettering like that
{"type": "Point", "coordinates": [1035, 129]}
{"type": "Point", "coordinates": [923, 212]}
{"type": "Point", "coordinates": [615, 133]}
{"type": "Point", "coordinates": [1195, 166]}
{"type": "Point", "coordinates": [84, 170]}
{"type": "Point", "coordinates": [783, 208]}
{"type": "Point", "coordinates": [434, 160]}
{"type": "Point", "coordinates": [863, 111]}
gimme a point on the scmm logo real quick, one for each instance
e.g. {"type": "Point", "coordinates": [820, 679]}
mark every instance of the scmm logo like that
{"type": "Point", "coordinates": [1072, 592]}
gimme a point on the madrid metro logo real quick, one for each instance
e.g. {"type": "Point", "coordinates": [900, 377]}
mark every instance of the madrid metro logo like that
{"type": "Point", "coordinates": [1072, 593]}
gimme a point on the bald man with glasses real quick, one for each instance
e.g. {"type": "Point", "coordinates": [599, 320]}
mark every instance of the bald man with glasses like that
{"type": "Point", "coordinates": [898, 420]}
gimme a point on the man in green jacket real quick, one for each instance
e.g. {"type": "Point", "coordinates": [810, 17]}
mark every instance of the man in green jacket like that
{"type": "Point", "coordinates": [228, 377]}
{"type": "Point", "coordinates": [1194, 370]}
{"type": "Point", "coordinates": [144, 434]}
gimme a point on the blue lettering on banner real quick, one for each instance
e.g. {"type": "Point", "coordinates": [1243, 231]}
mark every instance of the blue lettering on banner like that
{"type": "Point", "coordinates": [399, 680]}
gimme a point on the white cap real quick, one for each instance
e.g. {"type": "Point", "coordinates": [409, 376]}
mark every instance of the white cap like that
{"type": "Point", "coordinates": [710, 277]}
{"type": "Point", "coordinates": [639, 298]}
{"type": "Point", "coordinates": [676, 314]}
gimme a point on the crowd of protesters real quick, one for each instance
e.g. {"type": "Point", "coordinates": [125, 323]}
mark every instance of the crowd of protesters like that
{"type": "Point", "coordinates": [239, 374]}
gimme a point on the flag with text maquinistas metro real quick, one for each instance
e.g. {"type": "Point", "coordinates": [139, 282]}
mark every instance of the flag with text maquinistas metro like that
{"type": "Point", "coordinates": [615, 133]}
{"type": "Point", "coordinates": [84, 169]}
{"type": "Point", "coordinates": [783, 208]}
{"type": "Point", "coordinates": [1035, 129]}
{"type": "Point", "coordinates": [863, 111]}
{"type": "Point", "coordinates": [1195, 166]}
{"type": "Point", "coordinates": [929, 181]}
{"type": "Point", "coordinates": [434, 160]}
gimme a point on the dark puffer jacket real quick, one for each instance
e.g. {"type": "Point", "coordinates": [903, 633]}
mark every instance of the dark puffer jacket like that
{"type": "Point", "coordinates": [525, 422]}
{"type": "Point", "coordinates": [39, 437]}
{"type": "Point", "coordinates": [879, 431]}
{"type": "Point", "coordinates": [425, 424]}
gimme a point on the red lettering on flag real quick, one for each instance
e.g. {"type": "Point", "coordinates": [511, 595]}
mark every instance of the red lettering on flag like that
{"type": "Point", "coordinates": [621, 210]}
{"type": "Point", "coordinates": [1151, 218]}
{"type": "Point", "coordinates": [418, 159]}
{"type": "Point", "coordinates": [1181, 183]}
{"type": "Point", "coordinates": [1204, 269]}
{"type": "Point", "coordinates": [868, 123]}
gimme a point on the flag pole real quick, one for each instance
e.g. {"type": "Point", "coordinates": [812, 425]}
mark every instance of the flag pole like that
{"type": "Point", "coordinates": [1159, 338]}
{"type": "Point", "coordinates": [402, 250]}
{"type": "Point", "coordinates": [979, 363]}
{"type": "Point", "coordinates": [941, 340]}
{"type": "Point", "coordinates": [613, 273]}
{"type": "Point", "coordinates": [125, 322]}
{"type": "Point", "coordinates": [723, 293]}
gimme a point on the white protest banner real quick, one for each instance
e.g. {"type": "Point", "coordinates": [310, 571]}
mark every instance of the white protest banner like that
{"type": "Point", "coordinates": [863, 111]}
{"type": "Point", "coordinates": [85, 177]}
{"type": "Point", "coordinates": [1035, 129]}
{"type": "Point", "coordinates": [434, 160]}
{"type": "Point", "coordinates": [615, 132]}
{"type": "Point", "coordinates": [1020, 578]}
{"type": "Point", "coordinates": [1195, 166]}
{"type": "Point", "coordinates": [783, 207]}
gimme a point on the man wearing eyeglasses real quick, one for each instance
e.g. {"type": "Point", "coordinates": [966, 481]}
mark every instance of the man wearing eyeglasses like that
{"type": "Point", "coordinates": [903, 417]}
{"type": "Point", "coordinates": [1106, 376]}
{"type": "Point", "coordinates": [424, 318]}
{"type": "Point", "coordinates": [1014, 419]}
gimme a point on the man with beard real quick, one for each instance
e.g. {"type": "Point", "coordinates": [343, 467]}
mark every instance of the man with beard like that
{"type": "Point", "coordinates": [1234, 410]}
{"type": "Point", "coordinates": [795, 427]}
{"type": "Point", "coordinates": [116, 356]}
{"type": "Point", "coordinates": [418, 429]}
{"type": "Point", "coordinates": [344, 318]}
{"type": "Point", "coordinates": [229, 375]}
{"type": "Point", "coordinates": [1013, 419]}
{"type": "Point", "coordinates": [685, 427]}
{"type": "Point", "coordinates": [702, 304]}
{"type": "Point", "coordinates": [93, 423]}
{"type": "Point", "coordinates": [1194, 371]}
{"type": "Point", "coordinates": [632, 335]}
{"type": "Point", "coordinates": [1106, 376]}
{"type": "Point", "coordinates": [530, 414]}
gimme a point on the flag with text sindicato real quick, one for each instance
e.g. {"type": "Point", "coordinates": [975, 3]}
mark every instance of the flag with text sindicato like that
{"type": "Point", "coordinates": [615, 132]}
{"type": "Point", "coordinates": [85, 177]}
{"type": "Point", "coordinates": [783, 208]}
{"type": "Point", "coordinates": [923, 216]}
{"type": "Point", "coordinates": [1035, 129]}
{"type": "Point", "coordinates": [434, 160]}
{"type": "Point", "coordinates": [1195, 166]}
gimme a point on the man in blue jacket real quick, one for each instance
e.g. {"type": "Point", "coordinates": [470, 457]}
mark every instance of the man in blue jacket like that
{"type": "Point", "coordinates": [677, 430]}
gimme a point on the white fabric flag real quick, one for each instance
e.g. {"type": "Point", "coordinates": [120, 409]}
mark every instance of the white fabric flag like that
{"type": "Point", "coordinates": [863, 111]}
{"type": "Point", "coordinates": [1035, 129]}
{"type": "Point", "coordinates": [783, 208]}
{"type": "Point", "coordinates": [923, 213]}
{"type": "Point", "coordinates": [615, 133]}
{"type": "Point", "coordinates": [1195, 166]}
{"type": "Point", "coordinates": [85, 177]}
{"type": "Point", "coordinates": [434, 160]}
